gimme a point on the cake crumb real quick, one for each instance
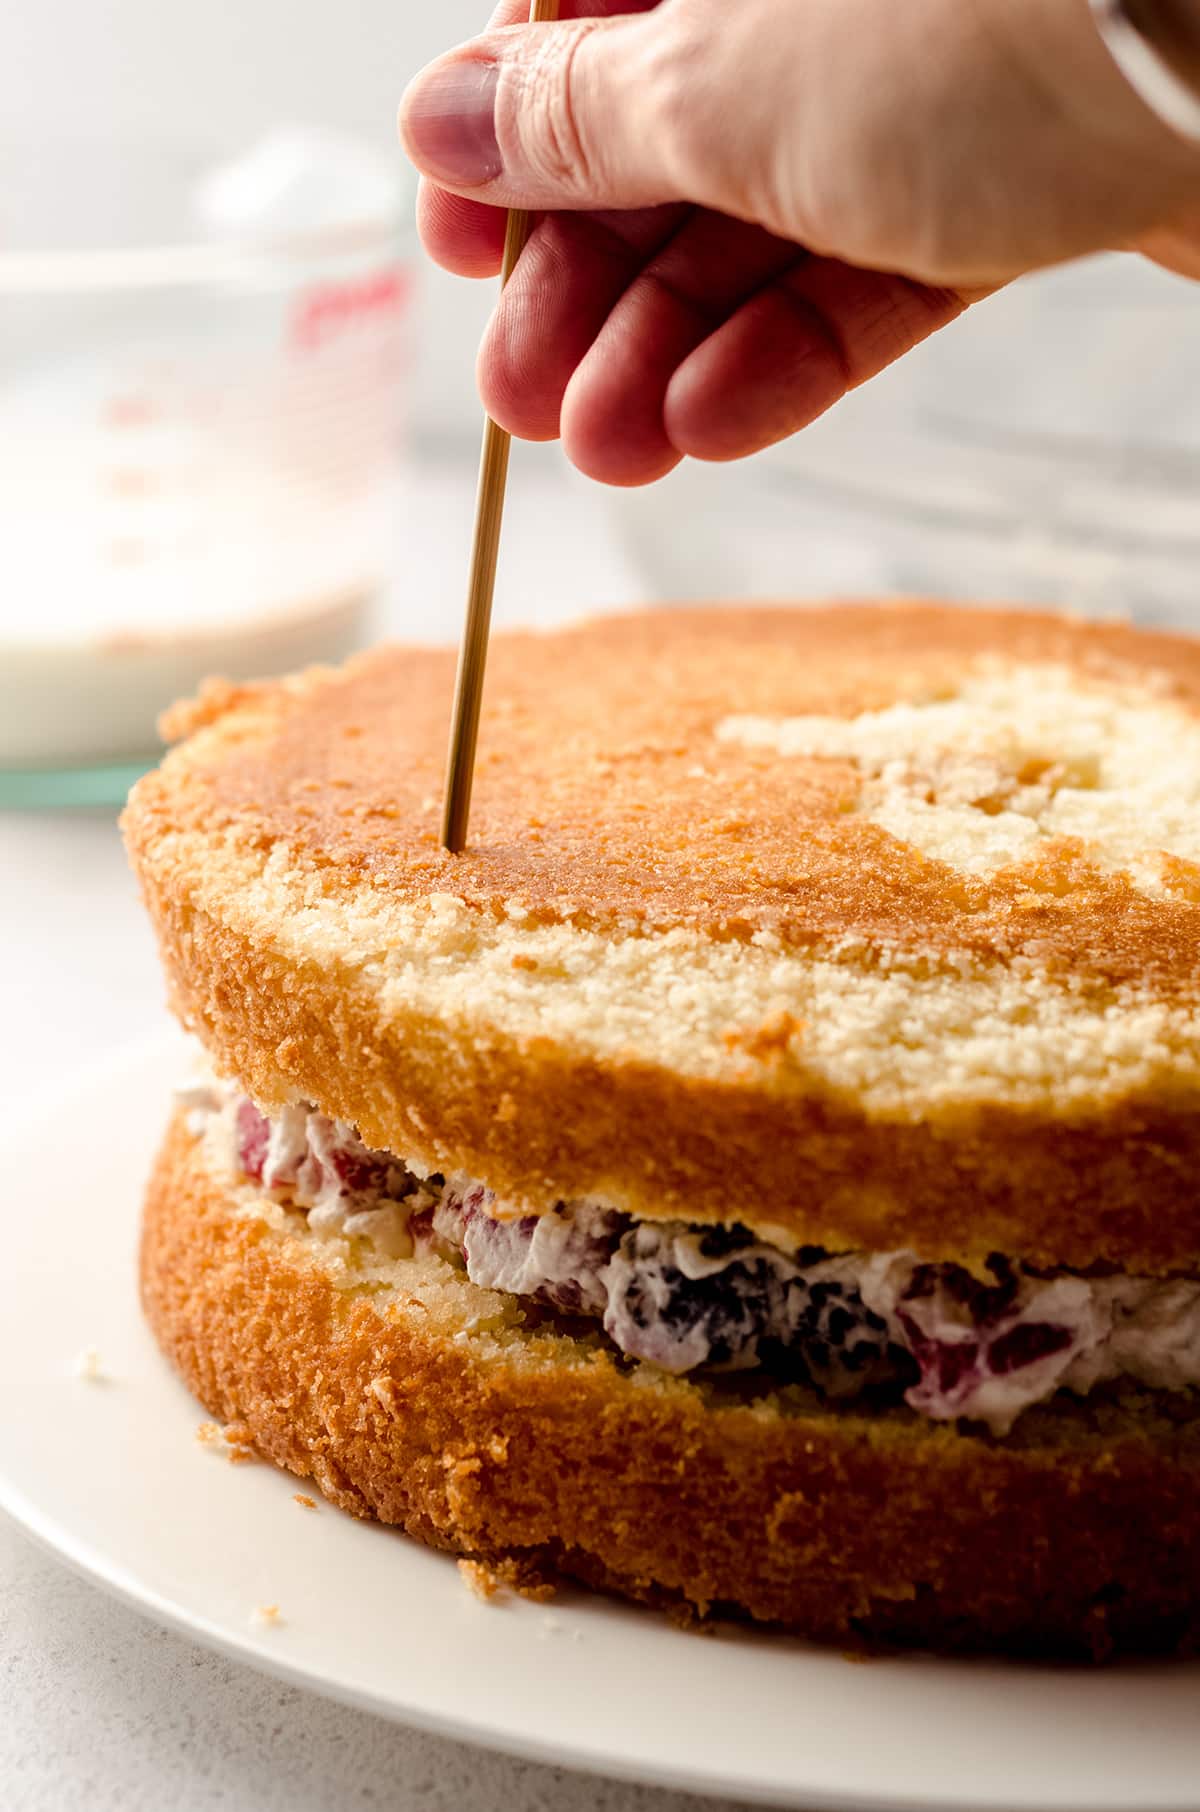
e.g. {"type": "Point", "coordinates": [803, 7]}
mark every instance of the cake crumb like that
{"type": "Point", "coordinates": [239, 1442]}
{"type": "Point", "coordinates": [489, 1580]}
{"type": "Point", "coordinates": [235, 1441]}
{"type": "Point", "coordinates": [308, 1503]}
{"type": "Point", "coordinates": [868, 1650]}
{"type": "Point", "coordinates": [87, 1366]}
{"type": "Point", "coordinates": [692, 1618]}
{"type": "Point", "coordinates": [479, 1579]}
{"type": "Point", "coordinates": [266, 1615]}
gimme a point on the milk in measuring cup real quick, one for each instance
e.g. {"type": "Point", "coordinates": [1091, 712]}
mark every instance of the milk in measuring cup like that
{"type": "Point", "coordinates": [197, 451]}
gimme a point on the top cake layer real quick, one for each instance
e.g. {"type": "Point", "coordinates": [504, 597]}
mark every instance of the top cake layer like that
{"type": "Point", "coordinates": [870, 926]}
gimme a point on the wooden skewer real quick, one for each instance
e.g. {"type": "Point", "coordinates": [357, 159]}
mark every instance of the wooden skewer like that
{"type": "Point", "coordinates": [489, 514]}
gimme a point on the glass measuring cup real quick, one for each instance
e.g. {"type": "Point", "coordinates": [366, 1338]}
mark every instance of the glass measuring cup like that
{"type": "Point", "coordinates": [200, 388]}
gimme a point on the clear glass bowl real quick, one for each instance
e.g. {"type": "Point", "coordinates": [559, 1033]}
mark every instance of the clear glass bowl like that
{"type": "Point", "coordinates": [1044, 449]}
{"type": "Point", "coordinates": [200, 387]}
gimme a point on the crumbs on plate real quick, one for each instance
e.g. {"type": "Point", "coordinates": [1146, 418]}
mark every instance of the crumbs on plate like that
{"type": "Point", "coordinates": [235, 1440]}
{"type": "Point", "coordinates": [492, 1579]}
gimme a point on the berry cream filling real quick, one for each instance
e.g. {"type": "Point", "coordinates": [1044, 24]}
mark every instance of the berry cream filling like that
{"type": "Point", "coordinates": [687, 1298]}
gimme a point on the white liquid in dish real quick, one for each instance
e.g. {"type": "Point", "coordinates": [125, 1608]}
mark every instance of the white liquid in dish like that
{"type": "Point", "coordinates": [197, 447]}
{"type": "Point", "coordinates": [144, 547]}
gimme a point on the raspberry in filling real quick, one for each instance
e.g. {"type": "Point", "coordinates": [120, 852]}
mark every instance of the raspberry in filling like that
{"type": "Point", "coordinates": [322, 1166]}
{"type": "Point", "coordinates": [558, 1258]}
{"type": "Point", "coordinates": [253, 1136]}
{"type": "Point", "coordinates": [689, 1299]}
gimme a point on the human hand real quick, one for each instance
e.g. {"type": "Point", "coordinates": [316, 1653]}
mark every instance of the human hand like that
{"type": "Point", "coordinates": [749, 207]}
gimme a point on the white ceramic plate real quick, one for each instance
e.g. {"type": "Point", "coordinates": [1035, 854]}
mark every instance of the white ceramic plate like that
{"type": "Point", "coordinates": [110, 1475]}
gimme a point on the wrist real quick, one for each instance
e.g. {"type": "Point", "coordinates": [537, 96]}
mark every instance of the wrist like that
{"type": "Point", "coordinates": [1153, 169]}
{"type": "Point", "coordinates": [1156, 46]}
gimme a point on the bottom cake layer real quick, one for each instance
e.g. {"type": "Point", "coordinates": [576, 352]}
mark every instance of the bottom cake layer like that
{"type": "Point", "coordinates": [412, 1395]}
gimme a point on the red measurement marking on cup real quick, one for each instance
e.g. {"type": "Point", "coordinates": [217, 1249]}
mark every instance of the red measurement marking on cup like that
{"type": "Point", "coordinates": [324, 312]}
{"type": "Point", "coordinates": [130, 411]}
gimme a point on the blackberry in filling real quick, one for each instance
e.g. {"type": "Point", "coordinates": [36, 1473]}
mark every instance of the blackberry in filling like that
{"type": "Point", "coordinates": [846, 1347]}
{"type": "Point", "coordinates": [685, 1298]}
{"type": "Point", "coordinates": [716, 1311]}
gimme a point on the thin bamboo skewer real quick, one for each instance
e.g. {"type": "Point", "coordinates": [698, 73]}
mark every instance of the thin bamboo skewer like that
{"type": "Point", "coordinates": [481, 587]}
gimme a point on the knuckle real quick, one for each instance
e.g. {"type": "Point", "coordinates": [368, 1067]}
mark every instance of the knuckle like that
{"type": "Point", "coordinates": [558, 146]}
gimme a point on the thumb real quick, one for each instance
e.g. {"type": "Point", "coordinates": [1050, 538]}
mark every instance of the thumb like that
{"type": "Point", "coordinates": [592, 113]}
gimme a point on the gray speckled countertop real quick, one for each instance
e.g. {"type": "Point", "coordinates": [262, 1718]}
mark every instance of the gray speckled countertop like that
{"type": "Point", "coordinates": [102, 1711]}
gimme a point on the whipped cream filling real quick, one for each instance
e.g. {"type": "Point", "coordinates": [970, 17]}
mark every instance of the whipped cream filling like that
{"type": "Point", "coordinates": [691, 1298]}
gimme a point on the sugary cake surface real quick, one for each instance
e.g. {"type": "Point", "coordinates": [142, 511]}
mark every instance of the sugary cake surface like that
{"type": "Point", "coordinates": [707, 769]}
{"type": "Point", "coordinates": [850, 921]}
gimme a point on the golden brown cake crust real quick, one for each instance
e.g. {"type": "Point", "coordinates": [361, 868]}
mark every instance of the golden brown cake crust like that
{"type": "Point", "coordinates": [603, 797]}
{"type": "Point", "coordinates": [1079, 1532]}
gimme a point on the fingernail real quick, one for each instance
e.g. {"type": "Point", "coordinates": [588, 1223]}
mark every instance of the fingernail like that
{"type": "Point", "coordinates": [449, 122]}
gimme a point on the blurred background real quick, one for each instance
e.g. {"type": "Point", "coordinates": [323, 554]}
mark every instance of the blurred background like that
{"type": "Point", "coordinates": [220, 76]}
